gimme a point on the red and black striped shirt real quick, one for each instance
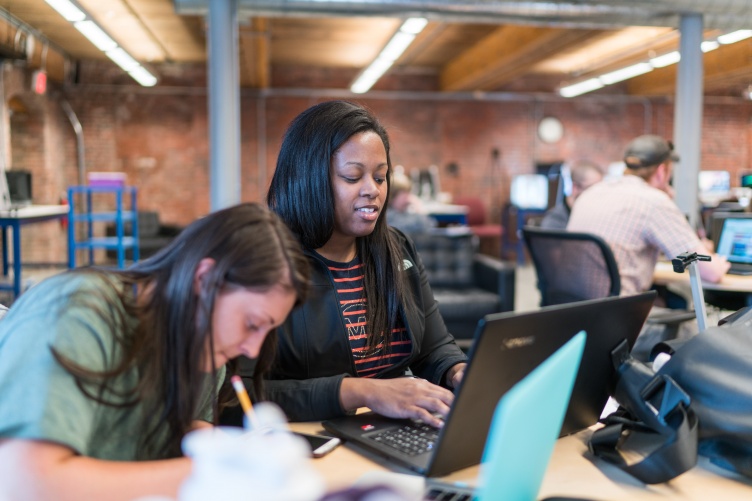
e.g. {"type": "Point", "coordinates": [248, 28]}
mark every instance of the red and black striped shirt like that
{"type": "Point", "coordinates": [348, 280]}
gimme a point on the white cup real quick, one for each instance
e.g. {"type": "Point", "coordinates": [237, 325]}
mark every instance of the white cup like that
{"type": "Point", "coordinates": [269, 463]}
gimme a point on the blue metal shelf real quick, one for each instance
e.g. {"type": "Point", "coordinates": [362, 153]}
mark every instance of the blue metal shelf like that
{"type": "Point", "coordinates": [126, 211]}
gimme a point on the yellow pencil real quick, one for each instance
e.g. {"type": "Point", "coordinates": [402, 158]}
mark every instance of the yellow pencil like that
{"type": "Point", "coordinates": [245, 400]}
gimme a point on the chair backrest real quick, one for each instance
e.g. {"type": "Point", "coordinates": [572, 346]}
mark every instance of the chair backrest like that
{"type": "Point", "coordinates": [448, 260]}
{"type": "Point", "coordinates": [476, 214]}
{"type": "Point", "coordinates": [571, 266]}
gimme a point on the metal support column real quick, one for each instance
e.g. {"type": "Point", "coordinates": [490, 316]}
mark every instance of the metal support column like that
{"type": "Point", "coordinates": [688, 115]}
{"type": "Point", "coordinates": [224, 103]}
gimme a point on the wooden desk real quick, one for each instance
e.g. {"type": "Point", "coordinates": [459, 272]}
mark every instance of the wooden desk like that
{"type": "Point", "coordinates": [665, 275]}
{"type": "Point", "coordinates": [16, 218]}
{"type": "Point", "coordinates": [573, 472]}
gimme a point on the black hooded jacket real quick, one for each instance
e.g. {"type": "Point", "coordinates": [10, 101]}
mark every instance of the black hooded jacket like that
{"type": "Point", "coordinates": [314, 355]}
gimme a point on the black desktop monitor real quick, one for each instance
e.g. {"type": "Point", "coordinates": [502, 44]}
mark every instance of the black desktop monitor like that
{"type": "Point", "coordinates": [19, 186]}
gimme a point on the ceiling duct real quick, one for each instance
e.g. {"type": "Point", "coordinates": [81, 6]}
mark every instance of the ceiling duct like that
{"type": "Point", "coordinates": [725, 15]}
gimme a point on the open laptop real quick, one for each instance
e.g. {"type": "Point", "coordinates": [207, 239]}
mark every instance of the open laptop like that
{"type": "Point", "coordinates": [506, 348]}
{"type": "Point", "coordinates": [735, 244]}
{"type": "Point", "coordinates": [523, 433]}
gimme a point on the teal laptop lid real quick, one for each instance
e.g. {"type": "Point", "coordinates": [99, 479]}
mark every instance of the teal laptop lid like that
{"type": "Point", "coordinates": [525, 427]}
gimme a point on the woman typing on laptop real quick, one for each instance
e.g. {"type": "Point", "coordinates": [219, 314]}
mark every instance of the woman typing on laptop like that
{"type": "Point", "coordinates": [104, 372]}
{"type": "Point", "coordinates": [371, 315]}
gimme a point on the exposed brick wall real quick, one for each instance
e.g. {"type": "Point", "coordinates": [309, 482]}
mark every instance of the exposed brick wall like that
{"type": "Point", "coordinates": [39, 141]}
{"type": "Point", "coordinates": [159, 138]}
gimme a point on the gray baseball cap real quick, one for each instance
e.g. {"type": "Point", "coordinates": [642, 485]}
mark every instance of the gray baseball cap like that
{"type": "Point", "coordinates": [649, 150]}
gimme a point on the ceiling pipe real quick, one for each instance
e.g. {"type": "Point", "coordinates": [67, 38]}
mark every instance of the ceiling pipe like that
{"type": "Point", "coordinates": [726, 15]}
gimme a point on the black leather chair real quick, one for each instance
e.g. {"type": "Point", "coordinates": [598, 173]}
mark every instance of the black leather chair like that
{"type": "Point", "coordinates": [466, 284]}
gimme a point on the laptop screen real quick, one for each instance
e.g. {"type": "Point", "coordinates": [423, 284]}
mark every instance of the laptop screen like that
{"type": "Point", "coordinates": [735, 242]}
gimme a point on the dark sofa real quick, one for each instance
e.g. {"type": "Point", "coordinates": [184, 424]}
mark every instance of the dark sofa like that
{"type": "Point", "coordinates": [466, 284]}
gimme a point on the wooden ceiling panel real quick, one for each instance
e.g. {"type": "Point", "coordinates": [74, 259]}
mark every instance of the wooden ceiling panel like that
{"type": "Point", "coordinates": [254, 54]}
{"type": "Point", "coordinates": [335, 42]}
{"type": "Point", "coordinates": [440, 43]}
{"type": "Point", "coordinates": [43, 18]}
{"type": "Point", "coordinates": [468, 57]}
{"type": "Point", "coordinates": [726, 64]}
{"type": "Point", "coordinates": [505, 54]}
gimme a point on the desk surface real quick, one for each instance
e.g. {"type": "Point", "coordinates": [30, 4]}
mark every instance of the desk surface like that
{"type": "Point", "coordinates": [34, 211]}
{"type": "Point", "coordinates": [664, 275]}
{"type": "Point", "coordinates": [573, 472]}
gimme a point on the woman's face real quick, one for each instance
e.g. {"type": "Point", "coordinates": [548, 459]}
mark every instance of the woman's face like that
{"type": "Point", "coordinates": [242, 318]}
{"type": "Point", "coordinates": [359, 170]}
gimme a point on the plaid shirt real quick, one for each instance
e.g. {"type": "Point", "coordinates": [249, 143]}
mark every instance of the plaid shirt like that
{"type": "Point", "coordinates": [638, 222]}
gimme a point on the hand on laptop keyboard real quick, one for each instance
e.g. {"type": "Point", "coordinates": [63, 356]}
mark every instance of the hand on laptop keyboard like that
{"type": "Point", "coordinates": [411, 398]}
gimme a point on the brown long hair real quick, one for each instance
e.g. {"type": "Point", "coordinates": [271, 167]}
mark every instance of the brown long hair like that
{"type": "Point", "coordinates": [166, 344]}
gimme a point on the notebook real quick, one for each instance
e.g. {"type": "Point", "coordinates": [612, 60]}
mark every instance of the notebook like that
{"type": "Point", "coordinates": [735, 244]}
{"type": "Point", "coordinates": [506, 348]}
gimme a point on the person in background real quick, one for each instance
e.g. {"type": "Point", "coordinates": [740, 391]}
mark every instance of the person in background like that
{"type": "Point", "coordinates": [404, 211]}
{"type": "Point", "coordinates": [637, 217]}
{"type": "Point", "coordinates": [104, 371]}
{"type": "Point", "coordinates": [583, 175]}
{"type": "Point", "coordinates": [372, 318]}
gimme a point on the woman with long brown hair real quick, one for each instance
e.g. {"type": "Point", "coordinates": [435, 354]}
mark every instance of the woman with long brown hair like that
{"type": "Point", "coordinates": [102, 372]}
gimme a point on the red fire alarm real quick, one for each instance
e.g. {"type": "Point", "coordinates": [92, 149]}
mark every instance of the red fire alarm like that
{"type": "Point", "coordinates": [39, 82]}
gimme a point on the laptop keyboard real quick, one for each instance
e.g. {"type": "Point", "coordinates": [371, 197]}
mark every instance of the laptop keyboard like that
{"type": "Point", "coordinates": [740, 269]}
{"type": "Point", "coordinates": [447, 493]}
{"type": "Point", "coordinates": [409, 439]}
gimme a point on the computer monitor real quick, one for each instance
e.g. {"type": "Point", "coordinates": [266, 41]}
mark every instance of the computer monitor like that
{"type": "Point", "coordinates": [529, 191]}
{"type": "Point", "coordinates": [714, 186]}
{"type": "Point", "coordinates": [19, 187]}
{"type": "Point", "coordinates": [746, 181]}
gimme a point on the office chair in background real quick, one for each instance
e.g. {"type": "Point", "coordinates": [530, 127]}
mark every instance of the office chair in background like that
{"type": "Point", "coordinates": [579, 266]}
{"type": "Point", "coordinates": [571, 266]}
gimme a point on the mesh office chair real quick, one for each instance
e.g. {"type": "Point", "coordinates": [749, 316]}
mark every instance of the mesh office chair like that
{"type": "Point", "coordinates": [571, 266]}
{"type": "Point", "coordinates": [579, 266]}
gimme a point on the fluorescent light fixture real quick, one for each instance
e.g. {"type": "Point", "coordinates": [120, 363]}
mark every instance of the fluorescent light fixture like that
{"type": "Point", "coordinates": [734, 36]}
{"type": "Point", "coordinates": [363, 84]}
{"type": "Point", "coordinates": [666, 59]}
{"type": "Point", "coordinates": [414, 25]}
{"type": "Point", "coordinates": [642, 68]}
{"type": "Point", "coordinates": [370, 75]}
{"type": "Point", "coordinates": [581, 88]}
{"type": "Point", "coordinates": [102, 41]}
{"type": "Point", "coordinates": [400, 41]}
{"type": "Point", "coordinates": [96, 35]}
{"type": "Point", "coordinates": [122, 59]}
{"type": "Point", "coordinates": [379, 66]}
{"type": "Point", "coordinates": [142, 76]}
{"type": "Point", "coordinates": [625, 73]}
{"type": "Point", "coordinates": [66, 9]}
{"type": "Point", "coordinates": [397, 45]}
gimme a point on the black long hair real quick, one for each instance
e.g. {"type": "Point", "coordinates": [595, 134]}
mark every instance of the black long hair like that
{"type": "Point", "coordinates": [252, 249]}
{"type": "Point", "coordinates": [301, 193]}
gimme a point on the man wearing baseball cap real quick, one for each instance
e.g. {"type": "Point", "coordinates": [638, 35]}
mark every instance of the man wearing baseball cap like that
{"type": "Point", "coordinates": [638, 218]}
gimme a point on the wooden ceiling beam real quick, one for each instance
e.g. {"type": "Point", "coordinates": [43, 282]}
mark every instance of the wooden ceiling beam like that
{"type": "Point", "coordinates": [505, 54]}
{"type": "Point", "coordinates": [254, 54]}
{"type": "Point", "coordinates": [721, 65]}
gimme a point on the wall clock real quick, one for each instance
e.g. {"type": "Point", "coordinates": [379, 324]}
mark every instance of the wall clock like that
{"type": "Point", "coordinates": [550, 129]}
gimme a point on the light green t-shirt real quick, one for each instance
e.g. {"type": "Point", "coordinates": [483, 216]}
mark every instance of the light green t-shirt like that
{"type": "Point", "coordinates": [40, 400]}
